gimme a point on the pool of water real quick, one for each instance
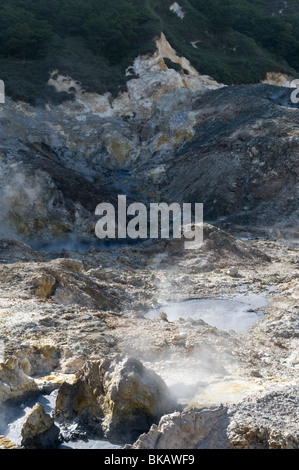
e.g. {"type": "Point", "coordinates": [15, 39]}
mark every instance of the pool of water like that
{"type": "Point", "coordinates": [237, 314]}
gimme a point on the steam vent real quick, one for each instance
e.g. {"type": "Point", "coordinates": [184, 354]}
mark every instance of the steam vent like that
{"type": "Point", "coordinates": [149, 214]}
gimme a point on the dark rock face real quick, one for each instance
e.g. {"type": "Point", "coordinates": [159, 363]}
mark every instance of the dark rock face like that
{"type": "Point", "coordinates": [242, 162]}
{"type": "Point", "coordinates": [46, 440]}
{"type": "Point", "coordinates": [12, 251]}
{"type": "Point", "coordinates": [234, 149]}
{"type": "Point", "coordinates": [238, 155]}
{"type": "Point", "coordinates": [123, 395]}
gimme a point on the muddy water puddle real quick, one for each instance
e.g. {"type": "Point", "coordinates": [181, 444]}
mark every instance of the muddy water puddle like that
{"type": "Point", "coordinates": [237, 314]}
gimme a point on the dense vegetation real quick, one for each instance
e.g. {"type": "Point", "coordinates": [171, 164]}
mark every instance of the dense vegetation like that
{"type": "Point", "coordinates": [237, 41]}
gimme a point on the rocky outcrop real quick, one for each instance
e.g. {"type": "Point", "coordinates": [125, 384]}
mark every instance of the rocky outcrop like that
{"type": "Point", "coordinates": [266, 420]}
{"type": "Point", "coordinates": [232, 148]}
{"type": "Point", "coordinates": [39, 430]}
{"type": "Point", "coordinates": [205, 429]}
{"type": "Point", "coordinates": [57, 164]}
{"type": "Point", "coordinates": [41, 201]}
{"type": "Point", "coordinates": [278, 79]}
{"type": "Point", "coordinates": [149, 78]}
{"type": "Point", "coordinates": [13, 380]}
{"type": "Point", "coordinates": [240, 161]}
{"type": "Point", "coordinates": [219, 250]}
{"type": "Point", "coordinates": [56, 280]}
{"type": "Point", "coordinates": [12, 251]}
{"type": "Point", "coordinates": [122, 394]}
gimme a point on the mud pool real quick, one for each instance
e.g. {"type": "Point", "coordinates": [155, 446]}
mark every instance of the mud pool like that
{"type": "Point", "coordinates": [237, 314]}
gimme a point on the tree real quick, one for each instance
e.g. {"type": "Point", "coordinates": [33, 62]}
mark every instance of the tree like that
{"type": "Point", "coordinates": [112, 29]}
{"type": "Point", "coordinates": [21, 34]}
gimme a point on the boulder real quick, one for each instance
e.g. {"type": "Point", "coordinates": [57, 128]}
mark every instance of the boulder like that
{"type": "Point", "coordinates": [126, 397]}
{"type": "Point", "coordinates": [204, 429]}
{"type": "Point", "coordinates": [39, 430]}
{"type": "Point", "coordinates": [14, 382]}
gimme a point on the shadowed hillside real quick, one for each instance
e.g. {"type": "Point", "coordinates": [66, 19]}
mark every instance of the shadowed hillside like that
{"type": "Point", "coordinates": [94, 41]}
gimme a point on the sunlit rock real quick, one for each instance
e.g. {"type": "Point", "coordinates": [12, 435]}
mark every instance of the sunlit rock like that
{"type": "Point", "coordinates": [6, 443]}
{"type": "Point", "coordinates": [14, 382]}
{"type": "Point", "coordinates": [278, 79]}
{"type": "Point", "coordinates": [267, 420]}
{"type": "Point", "coordinates": [123, 394]}
{"type": "Point", "coordinates": [205, 429]}
{"type": "Point", "coordinates": [39, 430]}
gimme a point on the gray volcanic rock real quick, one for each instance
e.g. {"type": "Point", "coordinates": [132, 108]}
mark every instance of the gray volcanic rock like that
{"type": "Point", "coordinates": [242, 162]}
{"type": "Point", "coordinates": [205, 429]}
{"type": "Point", "coordinates": [14, 382]}
{"type": "Point", "coordinates": [123, 394]}
{"type": "Point", "coordinates": [233, 148]}
{"type": "Point", "coordinates": [264, 421]}
{"type": "Point", "coordinates": [267, 421]}
{"type": "Point", "coordinates": [60, 280]}
{"type": "Point", "coordinates": [41, 200]}
{"type": "Point", "coordinates": [39, 430]}
{"type": "Point", "coordinates": [218, 250]}
{"type": "Point", "coordinates": [12, 251]}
